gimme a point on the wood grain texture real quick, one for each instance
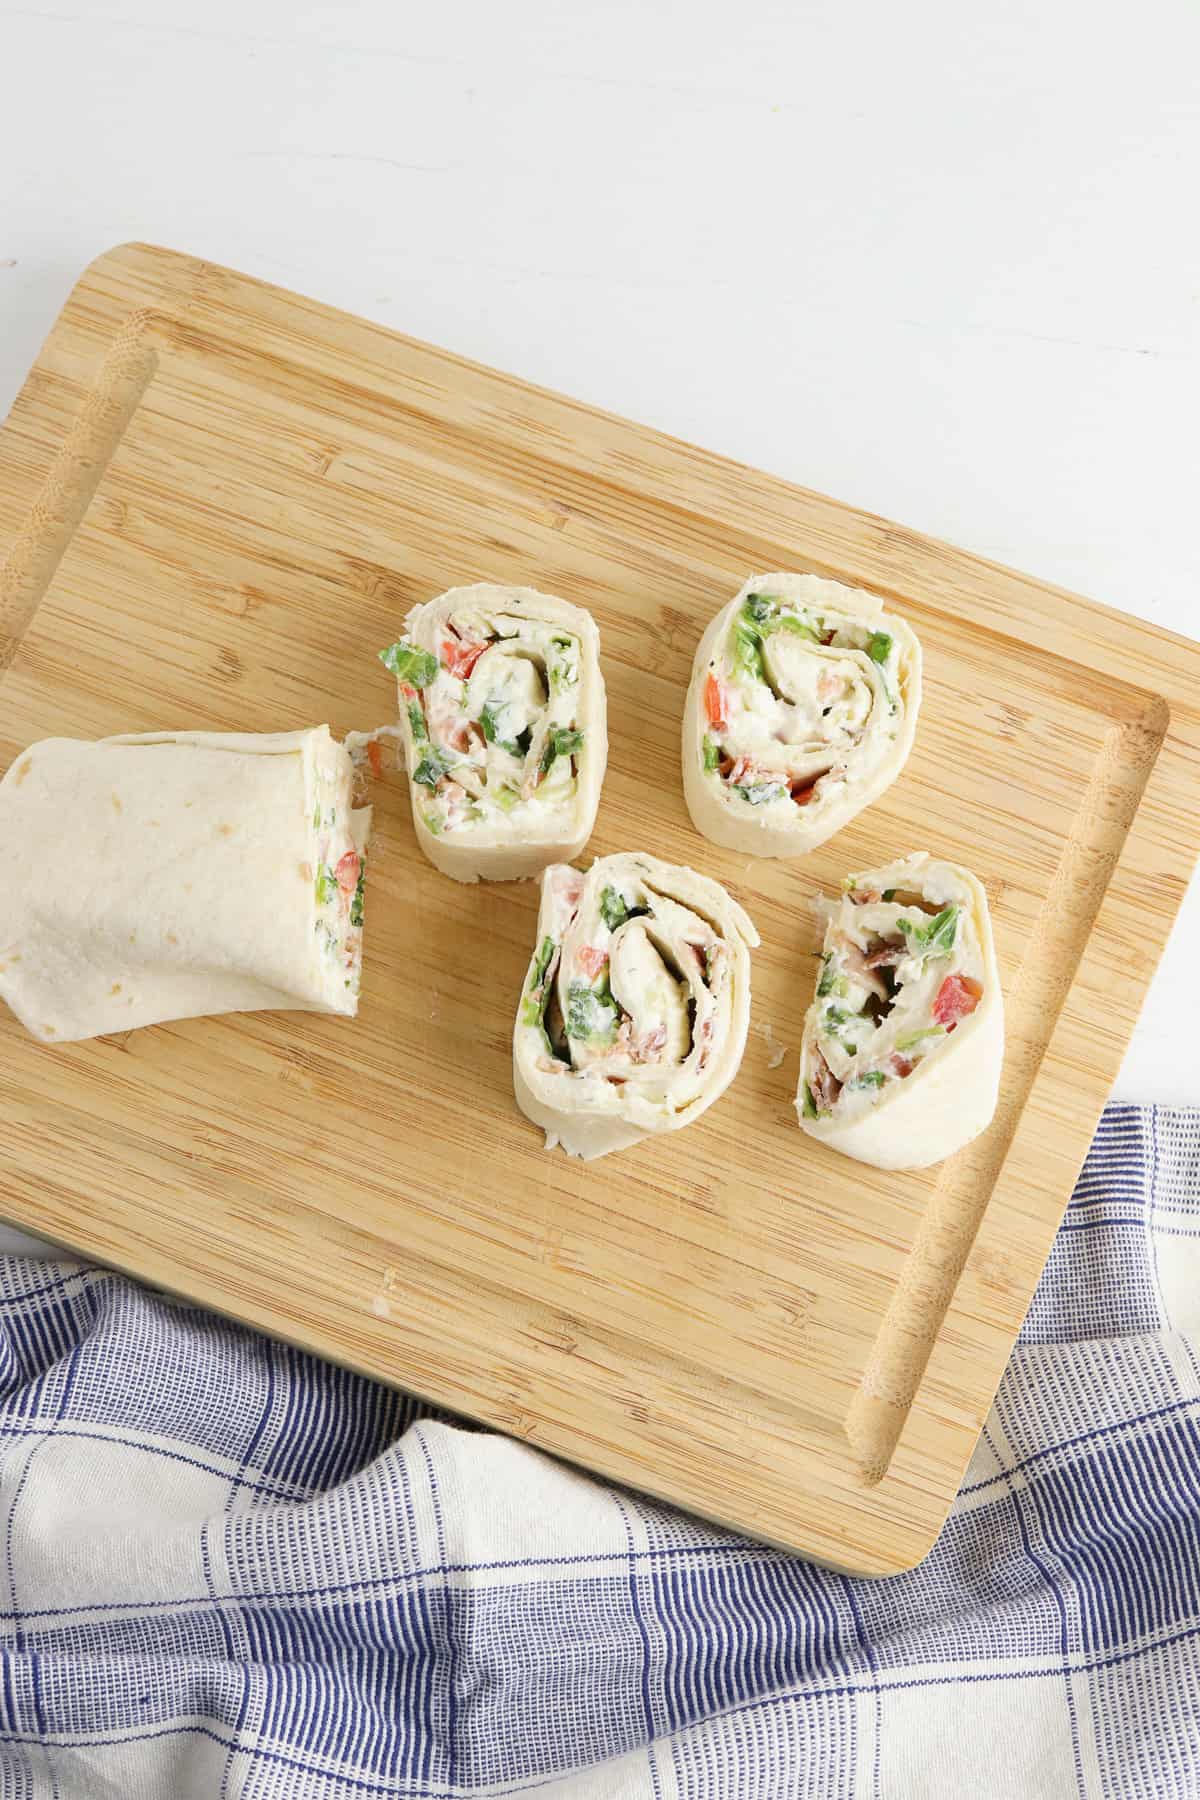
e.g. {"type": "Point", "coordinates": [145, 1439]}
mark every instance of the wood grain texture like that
{"type": "Point", "coordinates": [220, 500]}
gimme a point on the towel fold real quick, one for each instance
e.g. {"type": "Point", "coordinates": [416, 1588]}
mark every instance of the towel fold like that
{"type": "Point", "coordinates": [232, 1571]}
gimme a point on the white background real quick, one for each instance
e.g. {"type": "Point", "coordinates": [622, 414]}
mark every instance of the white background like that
{"type": "Point", "coordinates": [938, 260]}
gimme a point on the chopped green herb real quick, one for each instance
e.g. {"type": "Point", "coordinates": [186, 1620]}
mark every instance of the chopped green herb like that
{"type": "Point", "coordinates": [317, 817]}
{"type": "Point", "coordinates": [433, 823]}
{"type": "Point", "coordinates": [563, 740]}
{"type": "Point", "coordinates": [417, 667]}
{"type": "Point", "coordinates": [810, 1105]}
{"type": "Point", "coordinates": [711, 953]}
{"type": "Point", "coordinates": [936, 938]}
{"type": "Point", "coordinates": [837, 1015]}
{"type": "Point", "coordinates": [758, 608]}
{"type": "Point", "coordinates": [563, 669]}
{"type": "Point", "coordinates": [613, 909]}
{"type": "Point", "coordinates": [880, 647]}
{"type": "Point", "coordinates": [761, 792]}
{"type": "Point", "coordinates": [356, 905]}
{"type": "Point", "coordinates": [431, 768]}
{"type": "Point", "coordinates": [541, 963]}
{"type": "Point", "coordinates": [416, 720]}
{"type": "Point", "coordinates": [590, 1015]}
{"type": "Point", "coordinates": [488, 720]}
{"type": "Point", "coordinates": [325, 885]}
{"type": "Point", "coordinates": [712, 755]}
{"type": "Point", "coordinates": [918, 1037]}
{"type": "Point", "coordinates": [505, 797]}
{"type": "Point", "coordinates": [874, 1078]}
{"type": "Point", "coordinates": [830, 981]}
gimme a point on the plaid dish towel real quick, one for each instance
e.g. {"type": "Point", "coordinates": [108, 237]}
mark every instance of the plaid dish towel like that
{"type": "Point", "coordinates": [230, 1571]}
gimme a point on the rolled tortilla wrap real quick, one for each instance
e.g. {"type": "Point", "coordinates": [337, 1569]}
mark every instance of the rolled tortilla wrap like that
{"type": "Point", "coordinates": [634, 1012]}
{"type": "Point", "coordinates": [503, 713]}
{"type": "Point", "coordinates": [801, 711]}
{"type": "Point", "coordinates": [903, 1043]}
{"type": "Point", "coordinates": [177, 874]}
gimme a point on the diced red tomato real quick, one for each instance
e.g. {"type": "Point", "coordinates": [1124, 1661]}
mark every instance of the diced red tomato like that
{"type": "Point", "coordinates": [957, 998]}
{"type": "Point", "coordinates": [716, 702]}
{"type": "Point", "coordinates": [902, 1065]}
{"type": "Point", "coordinates": [347, 871]}
{"type": "Point", "coordinates": [461, 658]}
{"type": "Point", "coordinates": [591, 960]}
{"type": "Point", "coordinates": [375, 756]}
{"type": "Point", "coordinates": [410, 693]}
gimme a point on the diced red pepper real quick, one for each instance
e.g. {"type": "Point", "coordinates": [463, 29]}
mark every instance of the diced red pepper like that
{"type": "Point", "coordinates": [347, 871]}
{"type": "Point", "coordinates": [592, 960]}
{"type": "Point", "coordinates": [716, 702]}
{"type": "Point", "coordinates": [461, 658]}
{"type": "Point", "coordinates": [957, 998]}
{"type": "Point", "coordinates": [375, 756]}
{"type": "Point", "coordinates": [410, 693]}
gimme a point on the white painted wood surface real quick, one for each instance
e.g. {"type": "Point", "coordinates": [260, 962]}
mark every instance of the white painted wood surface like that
{"type": "Point", "coordinates": [938, 267]}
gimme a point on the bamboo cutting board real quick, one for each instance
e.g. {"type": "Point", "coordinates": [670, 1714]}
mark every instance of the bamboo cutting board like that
{"type": "Point", "coordinates": [219, 499]}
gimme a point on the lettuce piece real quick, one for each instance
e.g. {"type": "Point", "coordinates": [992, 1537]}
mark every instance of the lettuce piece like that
{"type": "Point", "coordinates": [417, 667]}
{"type": "Point", "coordinates": [563, 740]}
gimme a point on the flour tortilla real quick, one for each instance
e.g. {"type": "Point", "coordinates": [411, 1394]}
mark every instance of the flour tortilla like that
{"type": "Point", "coordinates": [841, 744]}
{"type": "Point", "coordinates": [641, 974]}
{"type": "Point", "coordinates": [177, 874]}
{"type": "Point", "coordinates": [475, 741]}
{"type": "Point", "coordinates": [949, 1094]}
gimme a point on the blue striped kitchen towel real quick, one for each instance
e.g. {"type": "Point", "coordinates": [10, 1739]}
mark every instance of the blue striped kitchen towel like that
{"type": "Point", "coordinates": [232, 1571]}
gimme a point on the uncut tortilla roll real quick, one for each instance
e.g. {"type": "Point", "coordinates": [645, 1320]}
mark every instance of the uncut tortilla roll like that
{"type": "Point", "coordinates": [503, 716]}
{"type": "Point", "coordinates": [635, 1008]}
{"type": "Point", "coordinates": [801, 711]}
{"type": "Point", "coordinates": [903, 1043]}
{"type": "Point", "coordinates": [177, 874]}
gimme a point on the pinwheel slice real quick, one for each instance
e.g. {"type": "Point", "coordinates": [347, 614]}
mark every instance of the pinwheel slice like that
{"type": "Point", "coordinates": [801, 711]}
{"type": "Point", "coordinates": [903, 1043]}
{"type": "Point", "coordinates": [177, 874]}
{"type": "Point", "coordinates": [503, 714]}
{"type": "Point", "coordinates": [634, 1012]}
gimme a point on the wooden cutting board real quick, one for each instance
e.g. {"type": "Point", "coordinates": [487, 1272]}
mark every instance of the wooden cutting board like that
{"type": "Point", "coordinates": [218, 501]}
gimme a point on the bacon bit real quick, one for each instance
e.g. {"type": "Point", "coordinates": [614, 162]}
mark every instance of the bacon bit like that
{"type": "Point", "coordinates": [827, 637]}
{"type": "Point", "coordinates": [716, 702]}
{"type": "Point", "coordinates": [591, 960]}
{"type": "Point", "coordinates": [651, 1046]}
{"type": "Point", "coordinates": [903, 1065]}
{"type": "Point", "coordinates": [824, 1083]}
{"type": "Point", "coordinates": [741, 768]}
{"type": "Point", "coordinates": [889, 953]}
{"type": "Point", "coordinates": [410, 693]}
{"type": "Point", "coordinates": [858, 966]}
{"type": "Point", "coordinates": [461, 658]}
{"type": "Point", "coordinates": [864, 896]}
{"type": "Point", "coordinates": [801, 791]}
{"type": "Point", "coordinates": [457, 735]}
{"type": "Point", "coordinates": [347, 870]}
{"type": "Point", "coordinates": [829, 686]}
{"type": "Point", "coordinates": [698, 952]}
{"type": "Point", "coordinates": [957, 999]}
{"type": "Point", "coordinates": [375, 756]}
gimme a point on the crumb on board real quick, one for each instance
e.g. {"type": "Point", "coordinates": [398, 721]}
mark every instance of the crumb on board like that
{"type": "Point", "coordinates": [116, 801]}
{"type": "Point", "coordinates": [23, 769]}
